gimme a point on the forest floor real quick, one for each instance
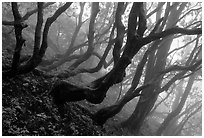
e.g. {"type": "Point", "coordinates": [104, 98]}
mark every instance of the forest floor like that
{"type": "Point", "coordinates": [27, 109]}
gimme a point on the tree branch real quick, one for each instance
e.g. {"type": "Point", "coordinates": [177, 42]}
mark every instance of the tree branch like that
{"type": "Point", "coordinates": [34, 62]}
{"type": "Point", "coordinates": [38, 29]}
{"type": "Point", "coordinates": [48, 23]}
{"type": "Point", "coordinates": [156, 26]}
{"type": "Point", "coordinates": [76, 31]}
{"type": "Point", "coordinates": [138, 72]}
{"type": "Point", "coordinates": [171, 31]}
{"type": "Point", "coordinates": [181, 47]}
{"type": "Point", "coordinates": [26, 16]}
{"type": "Point", "coordinates": [19, 39]}
{"type": "Point", "coordinates": [120, 32]}
{"type": "Point", "coordinates": [102, 61]}
{"type": "Point", "coordinates": [180, 68]}
{"type": "Point", "coordinates": [94, 12]}
{"type": "Point", "coordinates": [178, 108]}
{"type": "Point", "coordinates": [142, 21]}
{"type": "Point", "coordinates": [159, 6]}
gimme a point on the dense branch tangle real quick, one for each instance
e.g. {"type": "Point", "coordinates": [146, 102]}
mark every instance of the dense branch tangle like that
{"type": "Point", "coordinates": [135, 41]}
{"type": "Point", "coordinates": [39, 49]}
{"type": "Point", "coordinates": [26, 16]}
{"type": "Point", "coordinates": [95, 92]}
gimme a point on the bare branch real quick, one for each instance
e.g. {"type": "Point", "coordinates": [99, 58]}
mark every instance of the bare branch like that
{"type": "Point", "coordinates": [168, 9]}
{"type": "Point", "coordinates": [19, 39]}
{"type": "Point", "coordinates": [120, 32]}
{"type": "Point", "coordinates": [94, 12]}
{"type": "Point", "coordinates": [34, 62]}
{"type": "Point", "coordinates": [178, 108]}
{"type": "Point", "coordinates": [26, 16]}
{"type": "Point", "coordinates": [181, 47]}
{"type": "Point", "coordinates": [188, 13]}
{"type": "Point", "coordinates": [102, 61]}
{"type": "Point", "coordinates": [76, 31]}
{"type": "Point", "coordinates": [180, 68]}
{"type": "Point", "coordinates": [142, 25]}
{"type": "Point", "coordinates": [156, 26]}
{"type": "Point", "coordinates": [38, 29]}
{"type": "Point", "coordinates": [138, 72]}
{"type": "Point", "coordinates": [157, 9]}
{"type": "Point", "coordinates": [171, 31]}
{"type": "Point", "coordinates": [48, 23]}
{"type": "Point", "coordinates": [132, 20]}
{"type": "Point", "coordinates": [163, 99]}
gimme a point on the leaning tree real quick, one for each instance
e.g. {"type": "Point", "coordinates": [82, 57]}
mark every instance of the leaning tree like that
{"type": "Point", "coordinates": [126, 40]}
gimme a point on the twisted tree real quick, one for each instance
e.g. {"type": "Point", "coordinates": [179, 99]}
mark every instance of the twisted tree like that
{"type": "Point", "coordinates": [128, 41]}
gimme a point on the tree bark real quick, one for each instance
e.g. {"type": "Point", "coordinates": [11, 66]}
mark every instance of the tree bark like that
{"type": "Point", "coordinates": [147, 101]}
{"type": "Point", "coordinates": [120, 32]}
{"type": "Point", "coordinates": [96, 91]}
{"type": "Point", "coordinates": [104, 114]}
{"type": "Point", "coordinates": [135, 121]}
{"type": "Point", "coordinates": [175, 112]}
{"type": "Point", "coordinates": [19, 40]}
{"type": "Point", "coordinates": [94, 12]}
{"type": "Point", "coordinates": [26, 16]}
{"type": "Point", "coordinates": [37, 57]}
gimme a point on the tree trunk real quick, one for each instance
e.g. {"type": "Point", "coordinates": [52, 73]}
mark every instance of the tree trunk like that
{"type": "Point", "coordinates": [135, 121]}
{"type": "Point", "coordinates": [175, 112]}
{"type": "Point", "coordinates": [38, 51]}
{"type": "Point", "coordinates": [104, 114]}
{"type": "Point", "coordinates": [19, 39]}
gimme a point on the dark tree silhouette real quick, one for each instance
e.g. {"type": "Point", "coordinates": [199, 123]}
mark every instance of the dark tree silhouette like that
{"type": "Point", "coordinates": [39, 48]}
{"type": "Point", "coordinates": [95, 92]}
